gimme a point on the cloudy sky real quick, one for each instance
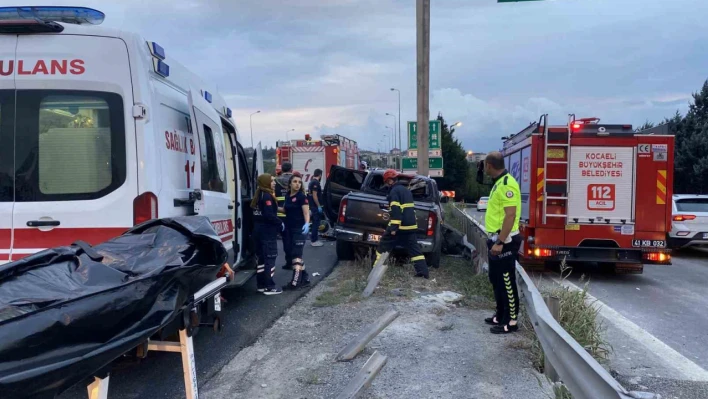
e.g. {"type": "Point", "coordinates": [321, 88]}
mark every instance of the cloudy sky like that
{"type": "Point", "coordinates": [326, 66]}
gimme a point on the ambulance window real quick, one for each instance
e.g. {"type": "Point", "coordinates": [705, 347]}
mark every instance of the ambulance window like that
{"type": "Point", "coordinates": [7, 127]}
{"type": "Point", "coordinates": [70, 145]}
{"type": "Point", "coordinates": [243, 172]}
{"type": "Point", "coordinates": [212, 173]}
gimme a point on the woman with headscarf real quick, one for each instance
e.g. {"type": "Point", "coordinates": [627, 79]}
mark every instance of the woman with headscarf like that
{"type": "Point", "coordinates": [297, 226]}
{"type": "Point", "coordinates": [266, 228]}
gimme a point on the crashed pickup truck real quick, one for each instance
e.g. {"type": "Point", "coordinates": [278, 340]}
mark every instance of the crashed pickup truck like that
{"type": "Point", "coordinates": [356, 202]}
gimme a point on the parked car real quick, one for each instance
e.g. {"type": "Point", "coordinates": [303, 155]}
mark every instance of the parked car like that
{"type": "Point", "coordinates": [689, 224]}
{"type": "Point", "coordinates": [482, 204]}
{"type": "Point", "coordinates": [356, 200]}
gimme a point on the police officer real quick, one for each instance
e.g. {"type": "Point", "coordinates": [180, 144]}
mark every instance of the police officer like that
{"type": "Point", "coordinates": [281, 188]}
{"type": "Point", "coordinates": [266, 227]}
{"type": "Point", "coordinates": [402, 228]}
{"type": "Point", "coordinates": [297, 225]}
{"type": "Point", "coordinates": [502, 225]}
{"type": "Point", "coordinates": [315, 198]}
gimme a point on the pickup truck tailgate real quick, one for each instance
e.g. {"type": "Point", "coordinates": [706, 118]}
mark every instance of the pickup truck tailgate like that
{"type": "Point", "coordinates": [371, 213]}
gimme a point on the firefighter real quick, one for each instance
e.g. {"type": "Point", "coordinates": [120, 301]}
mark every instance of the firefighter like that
{"type": "Point", "coordinates": [402, 228]}
{"type": "Point", "coordinates": [281, 188]}
{"type": "Point", "coordinates": [315, 197]}
{"type": "Point", "coordinates": [266, 227]}
{"type": "Point", "coordinates": [297, 226]}
{"type": "Point", "coordinates": [502, 225]}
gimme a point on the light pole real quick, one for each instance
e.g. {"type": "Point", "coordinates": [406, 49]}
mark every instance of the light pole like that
{"type": "Point", "coordinates": [400, 144]}
{"type": "Point", "coordinates": [394, 127]}
{"type": "Point", "coordinates": [287, 136]}
{"type": "Point", "coordinates": [251, 121]}
{"type": "Point", "coordinates": [454, 125]}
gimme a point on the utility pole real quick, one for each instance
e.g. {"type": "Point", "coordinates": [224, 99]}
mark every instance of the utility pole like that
{"type": "Point", "coordinates": [423, 45]}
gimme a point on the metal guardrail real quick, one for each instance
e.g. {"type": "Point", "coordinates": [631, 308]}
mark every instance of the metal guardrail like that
{"type": "Point", "coordinates": [584, 377]}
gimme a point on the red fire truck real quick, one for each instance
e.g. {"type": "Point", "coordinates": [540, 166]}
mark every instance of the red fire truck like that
{"type": "Point", "coordinates": [307, 155]}
{"type": "Point", "coordinates": [593, 192]}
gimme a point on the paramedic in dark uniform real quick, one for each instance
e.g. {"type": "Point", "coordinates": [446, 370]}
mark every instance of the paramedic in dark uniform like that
{"type": "Point", "coordinates": [402, 228]}
{"type": "Point", "coordinates": [266, 228]}
{"type": "Point", "coordinates": [281, 188]}
{"type": "Point", "coordinates": [502, 225]}
{"type": "Point", "coordinates": [314, 189]}
{"type": "Point", "coordinates": [297, 225]}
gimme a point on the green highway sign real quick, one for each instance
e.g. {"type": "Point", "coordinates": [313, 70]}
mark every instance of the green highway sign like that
{"type": "Point", "coordinates": [412, 163]}
{"type": "Point", "coordinates": [433, 135]}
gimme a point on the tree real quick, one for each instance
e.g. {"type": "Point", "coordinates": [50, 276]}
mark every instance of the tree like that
{"type": "Point", "coordinates": [455, 166]}
{"type": "Point", "coordinates": [691, 152]}
{"type": "Point", "coordinates": [645, 126]}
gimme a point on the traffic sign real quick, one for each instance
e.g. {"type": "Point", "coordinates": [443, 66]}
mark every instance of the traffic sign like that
{"type": "Point", "coordinates": [433, 163]}
{"type": "Point", "coordinates": [433, 135]}
{"type": "Point", "coordinates": [431, 172]}
{"type": "Point", "coordinates": [431, 153]}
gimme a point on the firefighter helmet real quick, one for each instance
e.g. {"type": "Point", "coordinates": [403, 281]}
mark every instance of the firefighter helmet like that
{"type": "Point", "coordinates": [390, 174]}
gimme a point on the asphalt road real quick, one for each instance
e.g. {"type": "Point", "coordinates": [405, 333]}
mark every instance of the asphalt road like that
{"type": "Point", "coordinates": [667, 303]}
{"type": "Point", "coordinates": [245, 316]}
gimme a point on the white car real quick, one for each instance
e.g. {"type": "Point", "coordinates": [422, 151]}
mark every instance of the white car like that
{"type": "Point", "coordinates": [482, 204]}
{"type": "Point", "coordinates": [689, 221]}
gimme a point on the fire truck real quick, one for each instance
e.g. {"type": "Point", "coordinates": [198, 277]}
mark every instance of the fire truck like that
{"type": "Point", "coordinates": [308, 154]}
{"type": "Point", "coordinates": [592, 192]}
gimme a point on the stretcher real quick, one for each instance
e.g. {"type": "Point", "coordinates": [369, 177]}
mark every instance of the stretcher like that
{"type": "Point", "coordinates": [67, 313]}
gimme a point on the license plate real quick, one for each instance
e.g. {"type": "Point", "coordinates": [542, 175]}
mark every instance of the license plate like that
{"type": "Point", "coordinates": [649, 243]}
{"type": "Point", "coordinates": [374, 237]}
{"type": "Point", "coordinates": [217, 302]}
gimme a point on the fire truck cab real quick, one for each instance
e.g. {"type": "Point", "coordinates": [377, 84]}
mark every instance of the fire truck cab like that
{"type": "Point", "coordinates": [592, 192]}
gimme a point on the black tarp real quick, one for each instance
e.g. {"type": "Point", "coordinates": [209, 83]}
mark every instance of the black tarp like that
{"type": "Point", "coordinates": [64, 316]}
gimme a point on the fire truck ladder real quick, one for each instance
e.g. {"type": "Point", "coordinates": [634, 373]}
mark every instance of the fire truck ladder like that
{"type": "Point", "coordinates": [557, 137]}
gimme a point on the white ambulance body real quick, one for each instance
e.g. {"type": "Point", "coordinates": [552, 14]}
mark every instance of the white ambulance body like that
{"type": "Point", "coordinates": [101, 130]}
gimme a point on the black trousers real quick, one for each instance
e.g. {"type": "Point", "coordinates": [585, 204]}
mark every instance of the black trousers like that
{"type": "Point", "coordinates": [407, 240]}
{"type": "Point", "coordinates": [267, 253]}
{"type": "Point", "coordinates": [296, 246]}
{"type": "Point", "coordinates": [502, 275]}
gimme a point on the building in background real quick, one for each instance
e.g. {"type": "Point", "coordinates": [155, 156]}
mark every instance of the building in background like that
{"type": "Point", "coordinates": [379, 159]}
{"type": "Point", "coordinates": [474, 157]}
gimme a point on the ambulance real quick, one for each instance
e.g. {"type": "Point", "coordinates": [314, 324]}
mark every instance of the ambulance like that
{"type": "Point", "coordinates": [101, 130]}
{"type": "Point", "coordinates": [591, 192]}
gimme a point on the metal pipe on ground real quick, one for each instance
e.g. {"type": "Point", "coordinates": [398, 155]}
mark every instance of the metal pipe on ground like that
{"type": "Point", "coordinates": [364, 377]}
{"type": "Point", "coordinates": [376, 274]}
{"type": "Point", "coordinates": [356, 346]}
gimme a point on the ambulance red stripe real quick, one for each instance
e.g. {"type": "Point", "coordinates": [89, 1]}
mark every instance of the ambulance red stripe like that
{"type": "Point", "coordinates": [33, 238]}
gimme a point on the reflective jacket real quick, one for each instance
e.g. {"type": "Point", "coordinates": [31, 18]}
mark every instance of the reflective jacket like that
{"type": "Point", "coordinates": [401, 204]}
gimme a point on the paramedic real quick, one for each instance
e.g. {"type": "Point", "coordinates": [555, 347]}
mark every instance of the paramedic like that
{"type": "Point", "coordinates": [281, 188]}
{"type": "Point", "coordinates": [266, 227]}
{"type": "Point", "coordinates": [402, 229]}
{"type": "Point", "coordinates": [297, 225]}
{"type": "Point", "coordinates": [502, 225]}
{"type": "Point", "coordinates": [315, 197]}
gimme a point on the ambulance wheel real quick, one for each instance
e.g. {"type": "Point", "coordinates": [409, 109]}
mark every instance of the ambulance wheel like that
{"type": "Point", "coordinates": [345, 250]}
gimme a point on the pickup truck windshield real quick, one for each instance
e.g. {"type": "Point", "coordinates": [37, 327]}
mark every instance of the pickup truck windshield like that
{"type": "Point", "coordinates": [417, 186]}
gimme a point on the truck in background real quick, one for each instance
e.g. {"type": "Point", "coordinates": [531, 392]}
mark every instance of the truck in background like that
{"type": "Point", "coordinates": [592, 193]}
{"type": "Point", "coordinates": [307, 155]}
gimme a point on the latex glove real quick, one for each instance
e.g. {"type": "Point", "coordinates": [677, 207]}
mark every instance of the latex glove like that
{"type": "Point", "coordinates": [306, 228]}
{"type": "Point", "coordinates": [282, 226]}
{"type": "Point", "coordinates": [321, 209]}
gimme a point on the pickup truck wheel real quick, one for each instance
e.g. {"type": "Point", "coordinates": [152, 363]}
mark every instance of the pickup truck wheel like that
{"type": "Point", "coordinates": [433, 258]}
{"type": "Point", "coordinates": [345, 250]}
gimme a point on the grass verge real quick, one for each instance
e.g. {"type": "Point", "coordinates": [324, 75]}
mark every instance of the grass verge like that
{"type": "Point", "coordinates": [455, 274]}
{"type": "Point", "coordinates": [578, 316]}
{"type": "Point", "coordinates": [452, 218]}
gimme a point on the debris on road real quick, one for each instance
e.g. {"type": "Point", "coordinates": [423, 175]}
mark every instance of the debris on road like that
{"type": "Point", "coordinates": [433, 350]}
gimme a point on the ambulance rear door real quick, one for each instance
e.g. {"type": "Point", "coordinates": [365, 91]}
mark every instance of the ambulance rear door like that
{"type": "Point", "coordinates": [601, 184]}
{"type": "Point", "coordinates": [74, 135]}
{"type": "Point", "coordinates": [212, 198]}
{"type": "Point", "coordinates": [7, 132]}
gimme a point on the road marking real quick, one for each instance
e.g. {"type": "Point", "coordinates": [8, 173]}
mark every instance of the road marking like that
{"type": "Point", "coordinates": [690, 370]}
